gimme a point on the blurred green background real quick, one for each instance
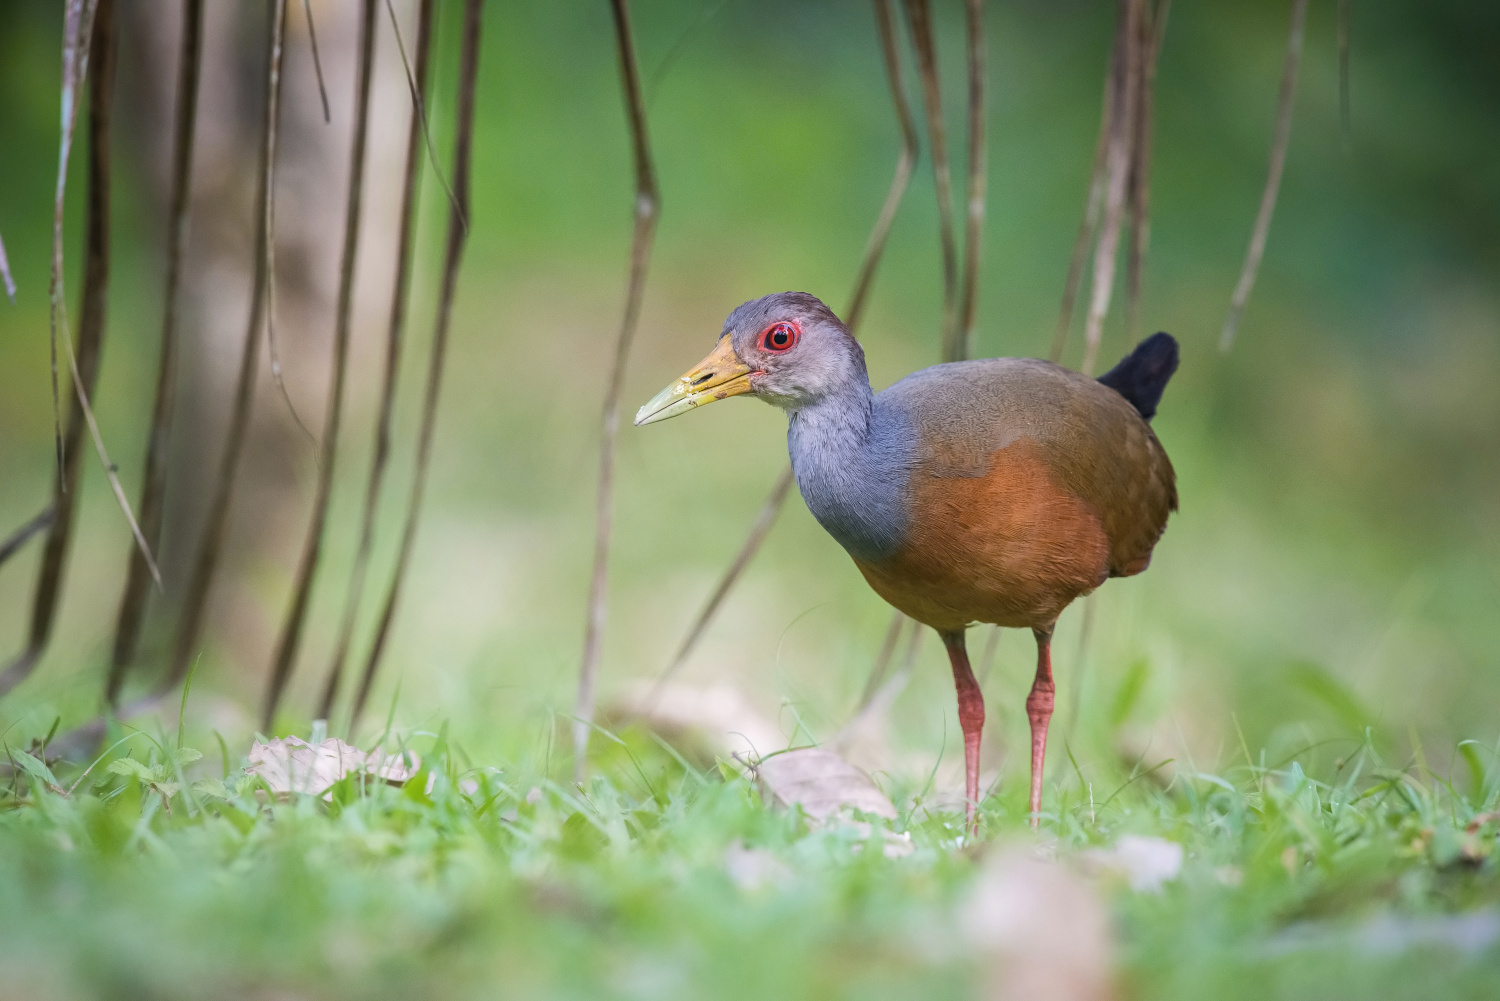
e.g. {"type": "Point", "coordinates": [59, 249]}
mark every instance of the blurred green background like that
{"type": "Point", "coordinates": [1336, 561]}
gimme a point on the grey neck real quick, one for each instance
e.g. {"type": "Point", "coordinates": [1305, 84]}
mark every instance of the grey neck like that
{"type": "Point", "coordinates": [852, 459]}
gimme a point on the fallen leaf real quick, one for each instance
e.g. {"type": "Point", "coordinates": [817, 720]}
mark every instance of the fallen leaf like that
{"type": "Point", "coordinates": [1042, 931]}
{"type": "Point", "coordinates": [292, 765]}
{"type": "Point", "coordinates": [821, 783]}
{"type": "Point", "coordinates": [1145, 863]}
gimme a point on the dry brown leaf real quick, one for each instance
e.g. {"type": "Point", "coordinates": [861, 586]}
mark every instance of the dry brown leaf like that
{"type": "Point", "coordinates": [1044, 931]}
{"type": "Point", "coordinates": [717, 715]}
{"type": "Point", "coordinates": [821, 783]}
{"type": "Point", "coordinates": [292, 765]}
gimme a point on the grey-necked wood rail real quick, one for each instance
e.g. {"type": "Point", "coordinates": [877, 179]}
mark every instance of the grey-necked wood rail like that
{"type": "Point", "coordinates": [994, 491]}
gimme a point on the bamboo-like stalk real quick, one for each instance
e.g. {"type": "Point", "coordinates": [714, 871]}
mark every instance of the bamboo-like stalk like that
{"type": "Point", "coordinates": [84, 30]}
{"type": "Point", "coordinates": [874, 248]}
{"type": "Point", "coordinates": [312, 551]}
{"type": "Point", "coordinates": [1126, 80]}
{"type": "Point", "coordinates": [154, 484]}
{"type": "Point", "coordinates": [458, 228]}
{"type": "Point", "coordinates": [919, 17]}
{"type": "Point", "coordinates": [1284, 103]}
{"type": "Point", "coordinates": [1151, 29]}
{"type": "Point", "coordinates": [1098, 175]}
{"type": "Point", "coordinates": [216, 523]}
{"type": "Point", "coordinates": [393, 342]}
{"type": "Point", "coordinates": [647, 207]}
{"type": "Point", "coordinates": [974, 218]}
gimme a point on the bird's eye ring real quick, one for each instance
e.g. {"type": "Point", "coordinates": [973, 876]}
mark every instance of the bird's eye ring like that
{"type": "Point", "coordinates": [779, 337]}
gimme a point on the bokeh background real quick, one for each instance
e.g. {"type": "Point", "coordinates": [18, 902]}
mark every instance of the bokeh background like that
{"type": "Point", "coordinates": [1336, 562]}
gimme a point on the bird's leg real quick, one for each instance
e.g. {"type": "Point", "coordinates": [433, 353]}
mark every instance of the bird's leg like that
{"type": "Point", "coordinates": [1039, 712]}
{"type": "Point", "coordinates": [970, 719]}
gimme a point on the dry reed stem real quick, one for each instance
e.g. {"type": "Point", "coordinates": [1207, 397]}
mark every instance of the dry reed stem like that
{"type": "Point", "coordinates": [78, 20]}
{"type": "Point", "coordinates": [882, 697]}
{"type": "Point", "coordinates": [874, 249]}
{"type": "Point", "coordinates": [974, 219]}
{"type": "Point", "coordinates": [1279, 145]}
{"type": "Point", "coordinates": [463, 144]}
{"type": "Point", "coordinates": [394, 331]}
{"type": "Point", "coordinates": [647, 204]}
{"type": "Point", "coordinates": [1086, 229]}
{"type": "Point", "coordinates": [291, 631]}
{"type": "Point", "coordinates": [216, 522]}
{"type": "Point", "coordinates": [312, 41]}
{"type": "Point", "coordinates": [154, 481]}
{"type": "Point", "coordinates": [1125, 80]}
{"type": "Point", "coordinates": [919, 16]}
{"type": "Point", "coordinates": [85, 367]}
{"type": "Point", "coordinates": [882, 661]}
{"type": "Point", "coordinates": [5, 276]}
{"type": "Point", "coordinates": [1152, 28]}
{"type": "Point", "coordinates": [18, 539]}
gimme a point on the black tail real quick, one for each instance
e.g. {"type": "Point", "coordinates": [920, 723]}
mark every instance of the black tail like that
{"type": "Point", "coordinates": [1142, 375]}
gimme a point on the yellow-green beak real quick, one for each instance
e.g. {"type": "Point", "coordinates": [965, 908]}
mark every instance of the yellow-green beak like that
{"type": "Point", "coordinates": [717, 377]}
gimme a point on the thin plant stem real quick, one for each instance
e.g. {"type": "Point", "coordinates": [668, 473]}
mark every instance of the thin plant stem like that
{"type": "Point", "coordinates": [647, 202]}
{"type": "Point", "coordinates": [216, 522]}
{"type": "Point", "coordinates": [394, 332]}
{"type": "Point", "coordinates": [291, 630]}
{"type": "Point", "coordinates": [758, 532]}
{"type": "Point", "coordinates": [974, 217]}
{"type": "Point", "coordinates": [78, 21]}
{"type": "Point", "coordinates": [1126, 80]}
{"type": "Point", "coordinates": [874, 248]}
{"type": "Point", "coordinates": [5, 276]}
{"type": "Point", "coordinates": [419, 98]}
{"type": "Point", "coordinates": [1098, 176]}
{"type": "Point", "coordinates": [1151, 29]}
{"type": "Point", "coordinates": [13, 543]}
{"type": "Point", "coordinates": [463, 144]}
{"type": "Point", "coordinates": [885, 23]}
{"type": "Point", "coordinates": [1346, 129]}
{"type": "Point", "coordinates": [312, 41]}
{"type": "Point", "coordinates": [919, 16]}
{"type": "Point", "coordinates": [154, 482]}
{"type": "Point", "coordinates": [882, 661]}
{"type": "Point", "coordinates": [85, 367]}
{"type": "Point", "coordinates": [1279, 144]}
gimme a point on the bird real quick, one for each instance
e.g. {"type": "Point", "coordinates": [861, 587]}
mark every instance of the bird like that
{"type": "Point", "coordinates": [986, 491]}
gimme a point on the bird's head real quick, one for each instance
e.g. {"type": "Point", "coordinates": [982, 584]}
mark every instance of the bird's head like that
{"type": "Point", "coordinates": [788, 349]}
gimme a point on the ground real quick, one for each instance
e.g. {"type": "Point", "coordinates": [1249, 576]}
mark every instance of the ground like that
{"type": "Point", "coordinates": [180, 876]}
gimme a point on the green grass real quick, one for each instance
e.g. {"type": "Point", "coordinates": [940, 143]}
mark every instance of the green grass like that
{"type": "Point", "coordinates": [180, 877]}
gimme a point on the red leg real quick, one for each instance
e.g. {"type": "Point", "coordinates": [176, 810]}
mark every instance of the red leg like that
{"type": "Point", "coordinates": [1039, 712]}
{"type": "Point", "coordinates": [970, 719]}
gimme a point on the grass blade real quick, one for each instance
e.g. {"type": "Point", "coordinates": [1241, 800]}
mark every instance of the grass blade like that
{"type": "Point", "coordinates": [10, 283]}
{"type": "Point", "coordinates": [312, 40]}
{"type": "Point", "coordinates": [18, 539]}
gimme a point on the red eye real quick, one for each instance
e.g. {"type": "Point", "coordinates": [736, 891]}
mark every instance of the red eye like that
{"type": "Point", "coordinates": [780, 337]}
